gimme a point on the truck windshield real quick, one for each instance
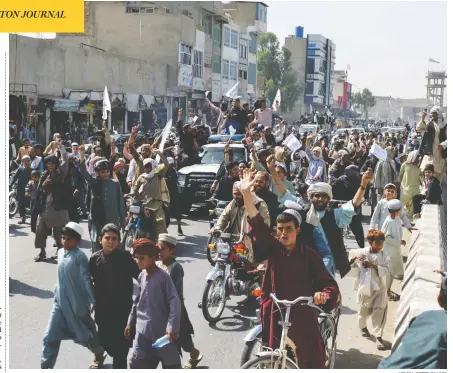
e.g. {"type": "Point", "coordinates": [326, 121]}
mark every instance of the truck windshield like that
{"type": "Point", "coordinates": [215, 155]}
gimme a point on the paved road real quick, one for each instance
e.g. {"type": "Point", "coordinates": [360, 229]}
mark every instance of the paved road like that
{"type": "Point", "coordinates": [31, 292]}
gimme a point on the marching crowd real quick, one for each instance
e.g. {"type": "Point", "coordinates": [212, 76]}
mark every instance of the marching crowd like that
{"type": "Point", "coordinates": [290, 206]}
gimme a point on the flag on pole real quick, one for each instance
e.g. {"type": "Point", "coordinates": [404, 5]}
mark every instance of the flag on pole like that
{"type": "Point", "coordinates": [233, 91]}
{"type": "Point", "coordinates": [277, 101]}
{"type": "Point", "coordinates": [433, 61]}
{"type": "Point", "coordinates": [106, 104]}
{"type": "Point", "coordinates": [164, 137]}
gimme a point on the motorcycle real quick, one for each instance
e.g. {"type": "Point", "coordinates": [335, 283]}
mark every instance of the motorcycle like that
{"type": "Point", "coordinates": [13, 204]}
{"type": "Point", "coordinates": [214, 215]}
{"type": "Point", "coordinates": [232, 275]}
{"type": "Point", "coordinates": [139, 225]}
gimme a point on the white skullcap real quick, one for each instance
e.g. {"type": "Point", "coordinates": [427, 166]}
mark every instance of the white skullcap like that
{"type": "Point", "coordinates": [320, 188]}
{"type": "Point", "coordinates": [74, 144]}
{"type": "Point", "coordinates": [168, 239]}
{"type": "Point", "coordinates": [75, 227]}
{"type": "Point", "coordinates": [394, 204]}
{"type": "Point", "coordinates": [147, 161]}
{"type": "Point", "coordinates": [26, 157]}
{"type": "Point", "coordinates": [55, 135]}
{"type": "Point", "coordinates": [435, 109]}
{"type": "Point", "coordinates": [280, 164]}
{"type": "Point", "coordinates": [295, 214]}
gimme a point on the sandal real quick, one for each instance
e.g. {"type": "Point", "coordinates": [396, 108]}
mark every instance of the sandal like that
{"type": "Point", "coordinates": [40, 257]}
{"type": "Point", "coordinates": [381, 345]}
{"type": "Point", "coordinates": [394, 297]}
{"type": "Point", "coordinates": [192, 363]}
{"type": "Point", "coordinates": [365, 333]}
{"type": "Point", "coordinates": [98, 364]}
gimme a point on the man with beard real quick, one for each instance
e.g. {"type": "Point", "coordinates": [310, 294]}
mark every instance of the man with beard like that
{"type": "Point", "coordinates": [232, 218]}
{"type": "Point", "coordinates": [339, 166]}
{"type": "Point", "coordinates": [224, 191]}
{"type": "Point", "coordinates": [237, 118]}
{"type": "Point", "coordinates": [261, 189]}
{"type": "Point", "coordinates": [323, 230]}
{"type": "Point", "coordinates": [37, 162]}
{"type": "Point", "coordinates": [145, 152]}
{"type": "Point", "coordinates": [344, 189]}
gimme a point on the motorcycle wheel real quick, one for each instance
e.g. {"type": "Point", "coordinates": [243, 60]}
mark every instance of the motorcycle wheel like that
{"type": "Point", "coordinates": [13, 207]}
{"type": "Point", "coordinates": [211, 254]}
{"type": "Point", "coordinates": [210, 287]}
{"type": "Point", "coordinates": [251, 349]}
{"type": "Point", "coordinates": [128, 239]}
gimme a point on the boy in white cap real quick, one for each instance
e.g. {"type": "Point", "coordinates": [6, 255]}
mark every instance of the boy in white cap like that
{"type": "Point", "coordinates": [167, 245]}
{"type": "Point", "coordinates": [393, 230]}
{"type": "Point", "coordinates": [73, 302]}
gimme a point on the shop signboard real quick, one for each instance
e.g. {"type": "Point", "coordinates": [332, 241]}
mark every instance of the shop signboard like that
{"type": "Point", "coordinates": [66, 105]}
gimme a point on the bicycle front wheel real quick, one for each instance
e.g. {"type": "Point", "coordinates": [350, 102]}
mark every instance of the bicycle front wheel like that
{"type": "Point", "coordinates": [272, 361]}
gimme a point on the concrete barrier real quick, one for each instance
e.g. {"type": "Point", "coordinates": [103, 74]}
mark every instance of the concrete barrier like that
{"type": "Point", "coordinates": [420, 285]}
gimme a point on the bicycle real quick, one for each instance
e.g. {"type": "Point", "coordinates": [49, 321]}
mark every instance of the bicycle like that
{"type": "Point", "coordinates": [278, 359]}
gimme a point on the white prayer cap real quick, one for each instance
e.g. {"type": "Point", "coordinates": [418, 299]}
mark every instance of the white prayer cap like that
{"type": "Point", "coordinates": [147, 161]}
{"type": "Point", "coordinates": [170, 160]}
{"type": "Point", "coordinates": [74, 144]}
{"type": "Point", "coordinates": [320, 188]}
{"type": "Point", "coordinates": [394, 204]}
{"type": "Point", "coordinates": [75, 227]}
{"type": "Point", "coordinates": [295, 214]}
{"type": "Point", "coordinates": [26, 157]}
{"type": "Point", "coordinates": [55, 135]}
{"type": "Point", "coordinates": [168, 239]}
{"type": "Point", "coordinates": [435, 109]}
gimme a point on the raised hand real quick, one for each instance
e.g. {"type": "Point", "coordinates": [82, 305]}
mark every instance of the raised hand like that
{"type": "Point", "coordinates": [246, 184]}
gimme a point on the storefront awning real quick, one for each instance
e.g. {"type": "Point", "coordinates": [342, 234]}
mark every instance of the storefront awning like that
{"type": "Point", "coordinates": [131, 101]}
{"type": "Point", "coordinates": [149, 100]}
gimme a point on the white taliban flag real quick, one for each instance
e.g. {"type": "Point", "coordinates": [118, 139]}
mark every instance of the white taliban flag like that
{"type": "Point", "coordinates": [233, 91]}
{"type": "Point", "coordinates": [164, 137]}
{"type": "Point", "coordinates": [277, 101]}
{"type": "Point", "coordinates": [106, 104]}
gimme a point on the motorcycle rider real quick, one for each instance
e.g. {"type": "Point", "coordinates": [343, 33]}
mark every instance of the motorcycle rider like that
{"type": "Point", "coordinates": [232, 218]}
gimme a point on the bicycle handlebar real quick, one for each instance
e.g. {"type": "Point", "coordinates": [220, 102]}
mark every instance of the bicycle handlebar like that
{"type": "Point", "coordinates": [309, 300]}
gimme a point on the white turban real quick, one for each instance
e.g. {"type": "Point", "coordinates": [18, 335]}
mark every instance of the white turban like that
{"type": "Point", "coordinates": [394, 204]}
{"type": "Point", "coordinates": [435, 109]}
{"type": "Point", "coordinates": [313, 215]}
{"type": "Point", "coordinates": [320, 188]}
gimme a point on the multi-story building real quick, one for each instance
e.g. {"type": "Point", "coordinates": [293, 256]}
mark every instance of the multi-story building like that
{"type": "Point", "coordinates": [341, 91]}
{"type": "Point", "coordinates": [313, 59]}
{"type": "Point", "coordinates": [171, 51]}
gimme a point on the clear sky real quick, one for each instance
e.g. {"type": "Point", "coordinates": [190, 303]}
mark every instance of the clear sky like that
{"type": "Point", "coordinates": [387, 44]}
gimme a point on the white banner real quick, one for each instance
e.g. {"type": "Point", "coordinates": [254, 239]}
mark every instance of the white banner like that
{"type": "Point", "coordinates": [292, 143]}
{"type": "Point", "coordinates": [164, 137]}
{"type": "Point", "coordinates": [232, 92]}
{"type": "Point", "coordinates": [277, 101]}
{"type": "Point", "coordinates": [378, 152]}
{"type": "Point", "coordinates": [106, 104]}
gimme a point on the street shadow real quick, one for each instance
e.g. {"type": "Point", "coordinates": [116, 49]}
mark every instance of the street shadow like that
{"type": "Point", "coordinates": [347, 311]}
{"type": "Point", "coordinates": [14, 230]}
{"type": "Point", "coordinates": [193, 246]}
{"type": "Point", "coordinates": [237, 323]}
{"type": "Point", "coordinates": [355, 359]}
{"type": "Point", "coordinates": [246, 307]}
{"type": "Point", "coordinates": [366, 219]}
{"type": "Point", "coordinates": [17, 287]}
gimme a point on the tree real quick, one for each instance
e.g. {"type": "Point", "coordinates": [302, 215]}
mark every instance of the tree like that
{"type": "Point", "coordinates": [274, 63]}
{"type": "Point", "coordinates": [364, 99]}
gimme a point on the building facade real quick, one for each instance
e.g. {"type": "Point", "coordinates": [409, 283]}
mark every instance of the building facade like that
{"type": "Point", "coordinates": [313, 60]}
{"type": "Point", "coordinates": [164, 53]}
{"type": "Point", "coordinates": [341, 91]}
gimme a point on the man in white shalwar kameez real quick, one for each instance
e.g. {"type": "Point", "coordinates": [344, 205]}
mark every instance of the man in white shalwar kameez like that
{"type": "Point", "coordinates": [373, 264]}
{"type": "Point", "coordinates": [393, 231]}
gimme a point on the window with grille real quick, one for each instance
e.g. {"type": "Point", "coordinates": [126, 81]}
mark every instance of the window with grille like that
{"type": "Point", "coordinates": [206, 22]}
{"type": "Point", "coordinates": [185, 54]}
{"type": "Point", "coordinates": [226, 36]}
{"type": "Point", "coordinates": [253, 43]}
{"type": "Point", "coordinates": [234, 39]}
{"type": "Point", "coordinates": [233, 71]}
{"type": "Point", "coordinates": [243, 49]}
{"type": "Point", "coordinates": [216, 65]}
{"type": "Point", "coordinates": [217, 35]}
{"type": "Point", "coordinates": [243, 74]}
{"type": "Point", "coordinates": [198, 64]}
{"type": "Point", "coordinates": [132, 10]}
{"type": "Point", "coordinates": [225, 69]}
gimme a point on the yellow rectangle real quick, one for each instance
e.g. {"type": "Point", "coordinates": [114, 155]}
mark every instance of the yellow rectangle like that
{"type": "Point", "coordinates": [42, 16]}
